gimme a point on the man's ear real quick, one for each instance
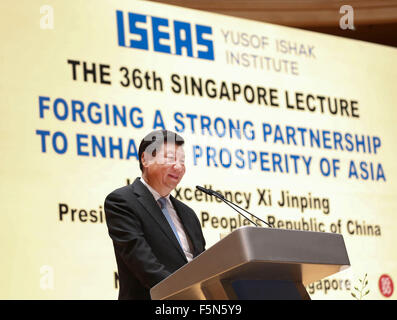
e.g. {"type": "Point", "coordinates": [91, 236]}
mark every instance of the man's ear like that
{"type": "Point", "coordinates": [144, 159]}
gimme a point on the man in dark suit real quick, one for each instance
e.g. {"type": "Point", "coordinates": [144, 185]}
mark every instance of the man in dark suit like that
{"type": "Point", "coordinates": [153, 233]}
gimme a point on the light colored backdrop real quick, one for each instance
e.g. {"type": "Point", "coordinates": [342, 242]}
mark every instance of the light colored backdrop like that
{"type": "Point", "coordinates": [49, 253]}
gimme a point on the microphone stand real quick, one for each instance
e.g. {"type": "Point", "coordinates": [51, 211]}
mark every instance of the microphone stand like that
{"type": "Point", "coordinates": [226, 201]}
{"type": "Point", "coordinates": [231, 204]}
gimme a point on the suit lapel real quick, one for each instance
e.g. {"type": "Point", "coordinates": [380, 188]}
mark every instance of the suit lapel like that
{"type": "Point", "coordinates": [148, 202]}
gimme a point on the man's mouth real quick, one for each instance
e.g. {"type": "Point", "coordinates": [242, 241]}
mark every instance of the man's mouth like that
{"type": "Point", "coordinates": [175, 177]}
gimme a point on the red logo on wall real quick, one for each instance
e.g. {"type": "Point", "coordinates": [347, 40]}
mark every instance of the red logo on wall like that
{"type": "Point", "coordinates": [386, 285]}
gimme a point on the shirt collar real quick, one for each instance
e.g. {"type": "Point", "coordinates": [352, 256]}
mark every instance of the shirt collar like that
{"type": "Point", "coordinates": [155, 194]}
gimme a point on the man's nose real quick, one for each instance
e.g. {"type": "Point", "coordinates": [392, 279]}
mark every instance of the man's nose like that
{"type": "Point", "coordinates": [178, 165]}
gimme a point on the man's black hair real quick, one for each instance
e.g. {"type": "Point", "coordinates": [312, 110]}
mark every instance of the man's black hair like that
{"type": "Point", "coordinates": [155, 139]}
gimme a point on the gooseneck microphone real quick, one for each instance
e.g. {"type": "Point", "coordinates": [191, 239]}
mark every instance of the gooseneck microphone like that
{"type": "Point", "coordinates": [231, 204]}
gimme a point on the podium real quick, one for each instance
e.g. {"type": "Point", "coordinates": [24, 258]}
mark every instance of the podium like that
{"type": "Point", "coordinates": [257, 264]}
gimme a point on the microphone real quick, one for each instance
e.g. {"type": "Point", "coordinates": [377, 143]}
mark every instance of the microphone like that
{"type": "Point", "coordinates": [221, 197]}
{"type": "Point", "coordinates": [211, 192]}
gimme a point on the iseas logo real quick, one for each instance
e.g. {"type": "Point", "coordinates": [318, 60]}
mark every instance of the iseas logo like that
{"type": "Point", "coordinates": [144, 32]}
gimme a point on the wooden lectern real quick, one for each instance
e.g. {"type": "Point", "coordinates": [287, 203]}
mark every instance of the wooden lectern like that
{"type": "Point", "coordinates": [257, 263]}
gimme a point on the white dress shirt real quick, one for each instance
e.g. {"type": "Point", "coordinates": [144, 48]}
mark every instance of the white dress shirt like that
{"type": "Point", "coordinates": [186, 243]}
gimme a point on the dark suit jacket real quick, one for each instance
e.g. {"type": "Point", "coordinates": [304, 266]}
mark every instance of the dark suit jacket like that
{"type": "Point", "coordinates": [145, 246]}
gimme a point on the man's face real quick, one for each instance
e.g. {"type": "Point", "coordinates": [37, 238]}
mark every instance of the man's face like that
{"type": "Point", "coordinates": [165, 170]}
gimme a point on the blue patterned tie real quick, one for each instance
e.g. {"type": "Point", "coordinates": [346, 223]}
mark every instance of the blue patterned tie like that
{"type": "Point", "coordinates": [162, 203]}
